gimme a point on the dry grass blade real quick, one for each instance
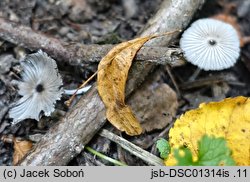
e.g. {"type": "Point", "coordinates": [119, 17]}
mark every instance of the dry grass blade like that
{"type": "Point", "coordinates": [68, 102]}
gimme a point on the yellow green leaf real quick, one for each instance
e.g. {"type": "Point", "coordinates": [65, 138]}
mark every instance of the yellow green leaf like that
{"type": "Point", "coordinates": [229, 119]}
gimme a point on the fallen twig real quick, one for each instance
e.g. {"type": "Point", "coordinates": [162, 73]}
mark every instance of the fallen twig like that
{"type": "Point", "coordinates": [66, 139]}
{"type": "Point", "coordinates": [207, 81]}
{"type": "Point", "coordinates": [76, 53]}
{"type": "Point", "coordinates": [133, 149]}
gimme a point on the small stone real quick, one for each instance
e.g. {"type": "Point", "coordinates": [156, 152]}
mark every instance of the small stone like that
{"type": "Point", "coordinates": [71, 36]}
{"type": "Point", "coordinates": [64, 30]}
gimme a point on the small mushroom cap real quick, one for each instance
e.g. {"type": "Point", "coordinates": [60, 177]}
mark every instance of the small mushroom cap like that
{"type": "Point", "coordinates": [211, 44]}
{"type": "Point", "coordinates": [40, 88]}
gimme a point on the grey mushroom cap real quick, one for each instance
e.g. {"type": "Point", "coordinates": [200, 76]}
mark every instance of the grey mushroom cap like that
{"type": "Point", "coordinates": [211, 44]}
{"type": "Point", "coordinates": [40, 88]}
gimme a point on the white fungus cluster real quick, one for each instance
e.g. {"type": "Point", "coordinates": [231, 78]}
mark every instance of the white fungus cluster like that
{"type": "Point", "coordinates": [40, 87]}
{"type": "Point", "coordinates": [211, 44]}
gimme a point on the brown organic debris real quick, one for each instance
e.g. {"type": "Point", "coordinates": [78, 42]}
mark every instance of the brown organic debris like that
{"type": "Point", "coordinates": [21, 147]}
{"type": "Point", "coordinates": [156, 104]}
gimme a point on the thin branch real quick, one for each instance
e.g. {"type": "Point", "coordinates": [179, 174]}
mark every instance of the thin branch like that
{"type": "Point", "coordinates": [76, 53]}
{"type": "Point", "coordinates": [133, 149]}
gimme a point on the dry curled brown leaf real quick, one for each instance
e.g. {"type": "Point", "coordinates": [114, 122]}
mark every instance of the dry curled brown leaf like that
{"type": "Point", "coordinates": [111, 80]}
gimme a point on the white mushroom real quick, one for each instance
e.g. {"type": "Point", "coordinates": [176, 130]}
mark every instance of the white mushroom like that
{"type": "Point", "coordinates": [40, 87]}
{"type": "Point", "coordinates": [211, 44]}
